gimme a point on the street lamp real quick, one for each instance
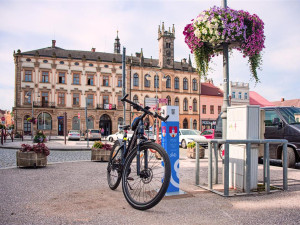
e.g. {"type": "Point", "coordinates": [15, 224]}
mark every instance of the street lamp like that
{"type": "Point", "coordinates": [32, 115]}
{"type": "Point", "coordinates": [156, 82]}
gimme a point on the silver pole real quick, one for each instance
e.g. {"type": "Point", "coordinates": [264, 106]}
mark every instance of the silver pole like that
{"type": "Point", "coordinates": [197, 163]}
{"type": "Point", "coordinates": [124, 83]}
{"type": "Point", "coordinates": [248, 167]}
{"type": "Point", "coordinates": [284, 165]}
{"type": "Point", "coordinates": [226, 170]}
{"type": "Point", "coordinates": [266, 168]}
{"type": "Point", "coordinates": [216, 163]}
{"type": "Point", "coordinates": [32, 116]}
{"type": "Point", "coordinates": [225, 84]}
{"type": "Point", "coordinates": [210, 166]}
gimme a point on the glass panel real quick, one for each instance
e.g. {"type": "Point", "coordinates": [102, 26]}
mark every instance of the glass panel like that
{"type": "Point", "coordinates": [44, 121]}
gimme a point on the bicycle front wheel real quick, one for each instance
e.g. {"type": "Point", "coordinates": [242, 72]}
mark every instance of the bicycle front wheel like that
{"type": "Point", "coordinates": [114, 167]}
{"type": "Point", "coordinates": [144, 190]}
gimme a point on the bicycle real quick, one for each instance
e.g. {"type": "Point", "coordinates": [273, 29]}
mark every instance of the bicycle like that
{"type": "Point", "coordinates": [143, 165]}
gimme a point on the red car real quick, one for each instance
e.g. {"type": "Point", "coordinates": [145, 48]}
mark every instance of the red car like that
{"type": "Point", "coordinates": [208, 133]}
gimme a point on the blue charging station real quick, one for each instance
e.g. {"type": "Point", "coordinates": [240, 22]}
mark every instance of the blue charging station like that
{"type": "Point", "coordinates": [170, 142]}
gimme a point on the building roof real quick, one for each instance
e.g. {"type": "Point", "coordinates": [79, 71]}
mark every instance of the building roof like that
{"type": "Point", "coordinates": [58, 52]}
{"type": "Point", "coordinates": [211, 90]}
{"type": "Point", "coordinates": [257, 99]}
{"type": "Point", "coordinates": [283, 102]}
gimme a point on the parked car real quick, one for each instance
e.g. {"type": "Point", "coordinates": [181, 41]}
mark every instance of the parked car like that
{"type": "Point", "coordinates": [188, 135]}
{"type": "Point", "coordinates": [280, 123]}
{"type": "Point", "coordinates": [119, 135]}
{"type": "Point", "coordinates": [208, 133]}
{"type": "Point", "coordinates": [74, 135]}
{"type": "Point", "coordinates": [149, 134]}
{"type": "Point", "coordinates": [93, 134]}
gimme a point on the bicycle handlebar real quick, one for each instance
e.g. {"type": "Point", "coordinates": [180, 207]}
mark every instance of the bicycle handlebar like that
{"type": "Point", "coordinates": [140, 108]}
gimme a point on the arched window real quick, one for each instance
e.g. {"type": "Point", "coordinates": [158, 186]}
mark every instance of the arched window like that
{"type": "Point", "coordinates": [169, 100]}
{"type": "Point", "coordinates": [177, 101]}
{"type": "Point", "coordinates": [136, 80]}
{"type": "Point", "coordinates": [168, 82]}
{"type": "Point", "coordinates": [27, 125]}
{"type": "Point", "coordinates": [176, 83]}
{"type": "Point", "coordinates": [90, 123]}
{"type": "Point", "coordinates": [195, 124]}
{"type": "Point", "coordinates": [240, 95]}
{"type": "Point", "coordinates": [185, 124]}
{"type": "Point", "coordinates": [185, 84]}
{"type": "Point", "coordinates": [246, 96]}
{"type": "Point", "coordinates": [195, 85]}
{"type": "Point", "coordinates": [185, 104]}
{"type": "Point", "coordinates": [195, 105]}
{"type": "Point", "coordinates": [145, 100]}
{"type": "Point", "coordinates": [156, 81]}
{"type": "Point", "coordinates": [233, 94]}
{"type": "Point", "coordinates": [146, 82]}
{"type": "Point", "coordinates": [75, 123]}
{"type": "Point", "coordinates": [44, 121]}
{"type": "Point", "coordinates": [120, 121]}
{"type": "Point", "coordinates": [135, 99]}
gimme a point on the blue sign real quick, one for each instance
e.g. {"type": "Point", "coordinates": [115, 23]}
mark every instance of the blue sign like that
{"type": "Point", "coordinates": [169, 141]}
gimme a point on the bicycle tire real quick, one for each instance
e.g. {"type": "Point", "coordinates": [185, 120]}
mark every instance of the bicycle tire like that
{"type": "Point", "coordinates": [114, 168]}
{"type": "Point", "coordinates": [148, 179]}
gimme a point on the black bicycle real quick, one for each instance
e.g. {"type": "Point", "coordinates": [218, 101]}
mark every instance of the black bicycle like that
{"type": "Point", "coordinates": [143, 165]}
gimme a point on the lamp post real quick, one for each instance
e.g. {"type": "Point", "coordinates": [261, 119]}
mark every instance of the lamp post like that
{"type": "Point", "coordinates": [156, 82]}
{"type": "Point", "coordinates": [32, 113]}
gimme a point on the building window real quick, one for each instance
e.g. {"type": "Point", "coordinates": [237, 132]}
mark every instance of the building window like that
{"type": "Point", "coordinates": [105, 99]}
{"type": "Point", "coordinates": [119, 81]}
{"type": "Point", "coordinates": [233, 94]}
{"type": "Point", "coordinates": [177, 101]}
{"type": "Point", "coordinates": [195, 105]}
{"type": "Point", "coordinates": [219, 109]}
{"type": "Point", "coordinates": [119, 101]}
{"type": "Point", "coordinates": [90, 79]}
{"type": "Point", "coordinates": [61, 62]}
{"type": "Point", "coordinates": [91, 64]}
{"type": "Point", "coordinates": [168, 45]}
{"type": "Point", "coordinates": [27, 96]}
{"type": "Point", "coordinates": [44, 121]}
{"type": "Point", "coordinates": [135, 99]}
{"type": "Point", "coordinates": [120, 121]}
{"type": "Point", "coordinates": [240, 95]}
{"type": "Point", "coordinates": [147, 82]}
{"type": "Point", "coordinates": [45, 99]}
{"type": "Point", "coordinates": [90, 122]}
{"type": "Point", "coordinates": [105, 81]}
{"type": "Point", "coordinates": [212, 111]}
{"type": "Point", "coordinates": [136, 80]}
{"type": "Point", "coordinates": [185, 104]}
{"type": "Point", "coordinates": [76, 78]}
{"type": "Point", "coordinates": [90, 100]}
{"type": "Point", "coordinates": [45, 61]}
{"type": "Point", "coordinates": [168, 82]}
{"type": "Point", "coordinates": [45, 77]}
{"type": "Point", "coordinates": [61, 98]}
{"type": "Point", "coordinates": [76, 99]}
{"type": "Point", "coordinates": [176, 83]}
{"type": "Point", "coordinates": [246, 96]}
{"type": "Point", "coordinates": [169, 100]}
{"type": "Point", "coordinates": [204, 109]}
{"type": "Point", "coordinates": [185, 124]}
{"type": "Point", "coordinates": [75, 123]}
{"type": "Point", "coordinates": [28, 75]}
{"type": "Point", "coordinates": [185, 84]}
{"type": "Point", "coordinates": [61, 78]}
{"type": "Point", "coordinates": [195, 85]}
{"type": "Point", "coordinates": [76, 63]}
{"type": "Point", "coordinates": [195, 124]}
{"type": "Point", "coordinates": [156, 81]}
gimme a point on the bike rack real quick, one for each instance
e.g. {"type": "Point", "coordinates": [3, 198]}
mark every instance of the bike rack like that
{"type": "Point", "coordinates": [266, 163]}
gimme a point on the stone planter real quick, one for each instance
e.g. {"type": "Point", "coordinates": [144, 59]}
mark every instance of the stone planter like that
{"type": "Point", "coordinates": [191, 153]}
{"type": "Point", "coordinates": [31, 159]}
{"type": "Point", "coordinates": [100, 155]}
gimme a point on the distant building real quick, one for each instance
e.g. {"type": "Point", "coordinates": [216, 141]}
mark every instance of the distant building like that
{"type": "Point", "coordinates": [283, 102]}
{"type": "Point", "coordinates": [257, 99]}
{"type": "Point", "coordinates": [211, 100]}
{"type": "Point", "coordinates": [238, 93]}
{"type": "Point", "coordinates": [7, 118]}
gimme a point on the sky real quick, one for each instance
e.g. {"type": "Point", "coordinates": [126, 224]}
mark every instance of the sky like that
{"type": "Point", "coordinates": [83, 24]}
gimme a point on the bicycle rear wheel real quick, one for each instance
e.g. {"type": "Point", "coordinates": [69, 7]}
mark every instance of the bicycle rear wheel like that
{"type": "Point", "coordinates": [114, 167]}
{"type": "Point", "coordinates": [146, 190]}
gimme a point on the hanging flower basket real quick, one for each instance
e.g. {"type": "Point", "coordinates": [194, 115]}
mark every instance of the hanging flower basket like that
{"type": "Point", "coordinates": [212, 28]}
{"type": "Point", "coordinates": [31, 120]}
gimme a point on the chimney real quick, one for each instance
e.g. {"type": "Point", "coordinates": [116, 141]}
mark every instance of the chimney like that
{"type": "Point", "coordinates": [53, 43]}
{"type": "Point", "coordinates": [93, 49]}
{"type": "Point", "coordinates": [183, 61]}
{"type": "Point", "coordinates": [282, 99]}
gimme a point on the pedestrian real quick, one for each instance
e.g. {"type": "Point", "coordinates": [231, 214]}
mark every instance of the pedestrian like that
{"type": "Point", "coordinates": [102, 131]}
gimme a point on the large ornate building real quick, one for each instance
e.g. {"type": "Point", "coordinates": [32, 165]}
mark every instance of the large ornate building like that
{"type": "Point", "coordinates": [52, 80]}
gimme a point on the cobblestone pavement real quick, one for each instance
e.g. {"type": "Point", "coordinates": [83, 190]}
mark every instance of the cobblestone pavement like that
{"type": "Point", "coordinates": [8, 157]}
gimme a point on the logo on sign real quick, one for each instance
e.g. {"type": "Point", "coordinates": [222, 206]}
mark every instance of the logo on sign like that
{"type": "Point", "coordinates": [173, 131]}
{"type": "Point", "coordinates": [164, 131]}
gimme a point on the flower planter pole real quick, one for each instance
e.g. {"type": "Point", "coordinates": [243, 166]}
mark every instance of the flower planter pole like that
{"type": "Point", "coordinates": [225, 84]}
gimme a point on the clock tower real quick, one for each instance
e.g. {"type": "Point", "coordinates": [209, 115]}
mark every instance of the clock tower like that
{"type": "Point", "coordinates": [166, 47]}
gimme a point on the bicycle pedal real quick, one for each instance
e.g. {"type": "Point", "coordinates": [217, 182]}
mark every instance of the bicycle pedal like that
{"type": "Point", "coordinates": [130, 178]}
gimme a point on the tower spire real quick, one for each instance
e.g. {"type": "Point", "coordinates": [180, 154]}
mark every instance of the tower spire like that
{"type": "Point", "coordinates": [117, 44]}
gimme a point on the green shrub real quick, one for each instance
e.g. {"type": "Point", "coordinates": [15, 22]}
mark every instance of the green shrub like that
{"type": "Point", "coordinates": [191, 145]}
{"type": "Point", "coordinates": [40, 137]}
{"type": "Point", "coordinates": [98, 144]}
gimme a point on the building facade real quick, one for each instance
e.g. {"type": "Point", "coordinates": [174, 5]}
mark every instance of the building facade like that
{"type": "Point", "coordinates": [52, 81]}
{"type": "Point", "coordinates": [6, 118]}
